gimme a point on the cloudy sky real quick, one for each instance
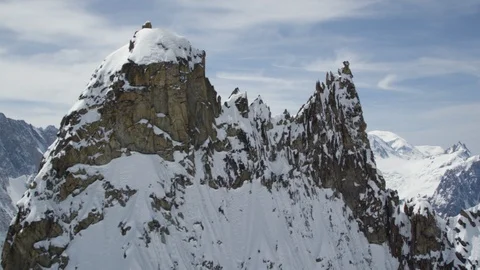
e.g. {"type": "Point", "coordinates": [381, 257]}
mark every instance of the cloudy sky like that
{"type": "Point", "coordinates": [416, 62]}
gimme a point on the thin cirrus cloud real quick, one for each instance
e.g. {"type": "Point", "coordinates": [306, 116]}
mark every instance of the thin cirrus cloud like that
{"type": "Point", "coordinates": [49, 50]}
{"type": "Point", "coordinates": [56, 21]}
{"type": "Point", "coordinates": [387, 75]}
{"type": "Point", "coordinates": [32, 79]}
{"type": "Point", "coordinates": [250, 13]}
{"type": "Point", "coordinates": [252, 77]}
{"type": "Point", "coordinates": [387, 82]}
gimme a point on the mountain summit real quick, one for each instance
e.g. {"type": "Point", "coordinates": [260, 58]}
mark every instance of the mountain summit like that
{"type": "Point", "coordinates": [459, 148]}
{"type": "Point", "coordinates": [152, 171]}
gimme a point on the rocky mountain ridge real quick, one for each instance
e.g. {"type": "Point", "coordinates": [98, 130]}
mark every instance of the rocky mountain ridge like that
{"type": "Point", "coordinates": [151, 170]}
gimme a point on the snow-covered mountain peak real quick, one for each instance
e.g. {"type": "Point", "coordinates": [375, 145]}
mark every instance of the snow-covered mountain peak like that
{"type": "Point", "coordinates": [260, 109]}
{"type": "Point", "coordinates": [148, 46]}
{"type": "Point", "coordinates": [389, 137]}
{"type": "Point", "coordinates": [450, 178]}
{"type": "Point", "coordinates": [396, 143]}
{"type": "Point", "coordinates": [152, 171]}
{"type": "Point", "coordinates": [460, 149]}
{"type": "Point", "coordinates": [413, 170]}
{"type": "Point", "coordinates": [159, 45]}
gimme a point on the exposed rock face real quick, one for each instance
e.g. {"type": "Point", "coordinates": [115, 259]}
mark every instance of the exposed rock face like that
{"type": "Point", "coordinates": [170, 110]}
{"type": "Point", "coordinates": [147, 25]}
{"type": "Point", "coordinates": [336, 146]}
{"type": "Point", "coordinates": [459, 188]}
{"type": "Point", "coordinates": [151, 166]}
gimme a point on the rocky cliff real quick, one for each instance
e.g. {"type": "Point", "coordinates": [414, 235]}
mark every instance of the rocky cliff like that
{"type": "Point", "coordinates": [152, 170]}
{"type": "Point", "coordinates": [459, 188]}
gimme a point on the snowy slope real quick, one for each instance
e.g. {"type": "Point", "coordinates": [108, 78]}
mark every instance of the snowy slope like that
{"type": "Point", "coordinates": [413, 170]}
{"type": "Point", "coordinates": [245, 228]}
{"type": "Point", "coordinates": [11, 192]}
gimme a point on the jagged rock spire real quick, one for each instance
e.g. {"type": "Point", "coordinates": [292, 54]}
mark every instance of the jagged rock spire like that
{"type": "Point", "coordinates": [147, 24]}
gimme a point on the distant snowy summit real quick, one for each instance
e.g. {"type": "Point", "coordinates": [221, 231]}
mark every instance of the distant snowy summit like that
{"type": "Point", "coordinates": [451, 177]}
{"type": "Point", "coordinates": [387, 144]}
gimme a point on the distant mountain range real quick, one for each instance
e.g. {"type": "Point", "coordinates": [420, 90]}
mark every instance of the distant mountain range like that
{"type": "Point", "coordinates": [22, 146]}
{"type": "Point", "coordinates": [21, 149]}
{"type": "Point", "coordinates": [450, 178]}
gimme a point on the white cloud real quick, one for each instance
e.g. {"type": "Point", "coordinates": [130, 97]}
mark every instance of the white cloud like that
{"type": "Point", "coordinates": [252, 77]}
{"type": "Point", "coordinates": [279, 93]}
{"type": "Point", "coordinates": [447, 124]}
{"type": "Point", "coordinates": [219, 14]}
{"type": "Point", "coordinates": [443, 7]}
{"type": "Point", "coordinates": [54, 21]}
{"type": "Point", "coordinates": [438, 124]}
{"type": "Point", "coordinates": [455, 112]}
{"type": "Point", "coordinates": [386, 82]}
{"type": "Point", "coordinates": [43, 78]}
{"type": "Point", "coordinates": [382, 75]}
{"type": "Point", "coordinates": [74, 42]}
